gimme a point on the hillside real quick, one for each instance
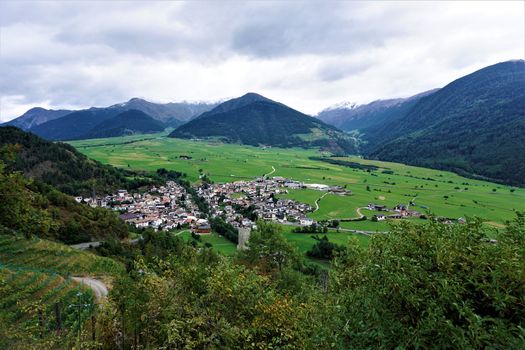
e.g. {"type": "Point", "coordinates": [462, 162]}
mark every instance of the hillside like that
{"type": "Point", "coordinates": [38, 281]}
{"type": "Point", "coordinates": [168, 112]}
{"type": "Point", "coordinates": [129, 122]}
{"type": "Point", "coordinates": [61, 165]}
{"type": "Point", "coordinates": [255, 120]}
{"type": "Point", "coordinates": [473, 126]}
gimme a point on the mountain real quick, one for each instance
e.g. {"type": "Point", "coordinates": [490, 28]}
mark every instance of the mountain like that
{"type": "Point", "coordinates": [168, 112]}
{"type": "Point", "coordinates": [256, 120]}
{"type": "Point", "coordinates": [473, 126]}
{"type": "Point", "coordinates": [36, 116]}
{"type": "Point", "coordinates": [74, 125]}
{"type": "Point", "coordinates": [126, 123]}
{"type": "Point", "coordinates": [358, 117]}
{"type": "Point", "coordinates": [69, 125]}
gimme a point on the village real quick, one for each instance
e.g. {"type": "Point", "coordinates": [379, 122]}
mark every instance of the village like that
{"type": "Point", "coordinates": [239, 203]}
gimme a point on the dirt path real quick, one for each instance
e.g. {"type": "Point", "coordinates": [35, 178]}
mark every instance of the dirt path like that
{"type": "Point", "coordinates": [317, 202]}
{"type": "Point", "coordinates": [270, 173]}
{"type": "Point", "coordinates": [358, 211]}
{"type": "Point", "coordinates": [98, 287]}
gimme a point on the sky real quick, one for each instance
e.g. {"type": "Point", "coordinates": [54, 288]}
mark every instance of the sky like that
{"type": "Point", "coordinates": [306, 54]}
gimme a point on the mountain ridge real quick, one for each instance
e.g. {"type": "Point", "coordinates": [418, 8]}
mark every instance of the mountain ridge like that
{"type": "Point", "coordinates": [255, 120]}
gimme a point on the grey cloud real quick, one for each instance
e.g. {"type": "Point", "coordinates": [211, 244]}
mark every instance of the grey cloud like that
{"type": "Point", "coordinates": [306, 52]}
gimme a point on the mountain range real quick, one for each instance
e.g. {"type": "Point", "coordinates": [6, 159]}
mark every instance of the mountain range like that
{"type": "Point", "coordinates": [256, 120]}
{"type": "Point", "coordinates": [473, 126]}
{"type": "Point", "coordinates": [89, 123]}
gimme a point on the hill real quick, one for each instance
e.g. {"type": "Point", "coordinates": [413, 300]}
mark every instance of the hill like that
{"type": "Point", "coordinates": [58, 164]}
{"type": "Point", "coordinates": [473, 126]}
{"type": "Point", "coordinates": [255, 120]}
{"type": "Point", "coordinates": [73, 125]}
{"type": "Point", "coordinates": [129, 122]}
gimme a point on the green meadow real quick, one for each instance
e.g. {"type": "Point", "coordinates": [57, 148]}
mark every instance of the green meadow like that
{"type": "Point", "coordinates": [439, 192]}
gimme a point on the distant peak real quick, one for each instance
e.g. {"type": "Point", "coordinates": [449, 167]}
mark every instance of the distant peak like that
{"type": "Point", "coordinates": [36, 109]}
{"type": "Point", "coordinates": [253, 95]}
{"type": "Point", "coordinates": [342, 105]}
{"type": "Point", "coordinates": [136, 99]}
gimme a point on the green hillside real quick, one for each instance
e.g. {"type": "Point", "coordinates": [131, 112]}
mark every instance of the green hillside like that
{"type": "Point", "coordinates": [60, 165]}
{"type": "Point", "coordinates": [255, 120]}
{"type": "Point", "coordinates": [35, 279]}
{"type": "Point", "coordinates": [473, 126]}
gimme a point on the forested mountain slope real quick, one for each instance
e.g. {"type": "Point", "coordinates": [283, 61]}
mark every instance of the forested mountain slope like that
{"type": "Point", "coordinates": [255, 120]}
{"type": "Point", "coordinates": [473, 126]}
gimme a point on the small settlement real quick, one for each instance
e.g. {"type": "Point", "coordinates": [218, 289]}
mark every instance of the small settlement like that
{"type": "Point", "coordinates": [239, 203]}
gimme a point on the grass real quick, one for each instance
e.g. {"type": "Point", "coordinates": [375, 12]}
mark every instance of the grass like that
{"type": "Point", "coordinates": [305, 241]}
{"type": "Point", "coordinates": [219, 243]}
{"type": "Point", "coordinates": [442, 193]}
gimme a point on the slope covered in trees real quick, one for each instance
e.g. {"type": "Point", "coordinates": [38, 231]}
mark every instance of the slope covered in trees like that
{"type": "Point", "coordinates": [255, 120]}
{"type": "Point", "coordinates": [473, 126]}
{"type": "Point", "coordinates": [61, 165]}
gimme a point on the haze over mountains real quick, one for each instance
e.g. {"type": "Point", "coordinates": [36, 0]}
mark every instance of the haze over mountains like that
{"type": "Point", "coordinates": [473, 126]}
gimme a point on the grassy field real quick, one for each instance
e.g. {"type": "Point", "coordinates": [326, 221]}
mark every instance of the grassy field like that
{"type": "Point", "coordinates": [442, 193]}
{"type": "Point", "coordinates": [304, 241]}
{"type": "Point", "coordinates": [219, 243]}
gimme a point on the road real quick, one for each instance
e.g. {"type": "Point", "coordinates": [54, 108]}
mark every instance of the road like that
{"type": "Point", "coordinates": [86, 245]}
{"type": "Point", "coordinates": [98, 287]}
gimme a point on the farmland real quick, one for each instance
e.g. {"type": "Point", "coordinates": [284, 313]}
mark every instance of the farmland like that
{"type": "Point", "coordinates": [35, 278]}
{"type": "Point", "coordinates": [441, 193]}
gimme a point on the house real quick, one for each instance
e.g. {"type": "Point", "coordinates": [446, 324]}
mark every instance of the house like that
{"type": "Point", "coordinates": [202, 229]}
{"type": "Point", "coordinates": [377, 207]}
{"type": "Point", "coordinates": [306, 222]}
{"type": "Point", "coordinates": [379, 217]}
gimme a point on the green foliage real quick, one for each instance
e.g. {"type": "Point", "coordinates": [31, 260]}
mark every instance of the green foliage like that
{"type": "Point", "coordinates": [434, 285]}
{"type": "Point", "coordinates": [324, 249]}
{"type": "Point", "coordinates": [62, 166]}
{"type": "Point", "coordinates": [225, 229]}
{"type": "Point", "coordinates": [268, 249]}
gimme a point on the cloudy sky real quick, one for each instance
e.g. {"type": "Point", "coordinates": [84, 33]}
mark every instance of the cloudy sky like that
{"type": "Point", "coordinates": [309, 55]}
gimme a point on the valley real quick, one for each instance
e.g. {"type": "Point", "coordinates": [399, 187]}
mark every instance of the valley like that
{"type": "Point", "coordinates": [442, 193]}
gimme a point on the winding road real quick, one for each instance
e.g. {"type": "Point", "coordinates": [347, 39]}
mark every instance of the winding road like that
{"type": "Point", "coordinates": [98, 287]}
{"type": "Point", "coordinates": [318, 200]}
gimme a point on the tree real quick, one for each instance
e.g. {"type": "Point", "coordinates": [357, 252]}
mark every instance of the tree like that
{"type": "Point", "coordinates": [268, 249]}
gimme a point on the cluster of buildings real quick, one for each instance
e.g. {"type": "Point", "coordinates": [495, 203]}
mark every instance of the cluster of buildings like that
{"type": "Point", "coordinates": [241, 201]}
{"type": "Point", "coordinates": [400, 211]}
{"type": "Point", "coordinates": [161, 208]}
